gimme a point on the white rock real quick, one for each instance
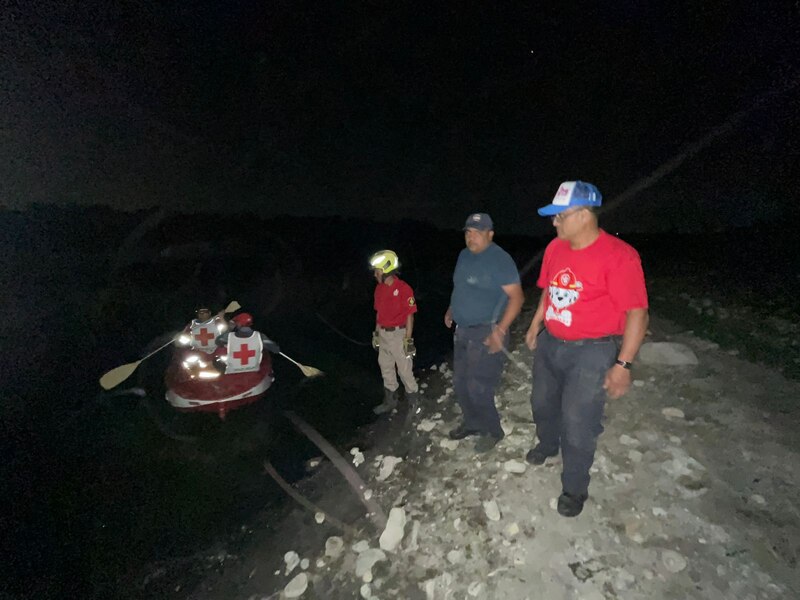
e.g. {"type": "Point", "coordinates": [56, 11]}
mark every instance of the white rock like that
{"type": "Point", "coordinates": [449, 444]}
{"type": "Point", "coordinates": [492, 510]}
{"type": "Point", "coordinates": [395, 529]}
{"type": "Point", "coordinates": [673, 561]}
{"type": "Point", "coordinates": [304, 563]}
{"type": "Point", "coordinates": [367, 494]}
{"type": "Point", "coordinates": [367, 559]}
{"type": "Point", "coordinates": [361, 546]}
{"type": "Point", "coordinates": [334, 546]}
{"type": "Point", "coordinates": [296, 587]}
{"type": "Point", "coordinates": [412, 541]}
{"type": "Point", "coordinates": [659, 512]}
{"type": "Point", "coordinates": [423, 385]}
{"type": "Point", "coordinates": [514, 466]}
{"type": "Point", "coordinates": [426, 425]}
{"type": "Point", "coordinates": [387, 467]}
{"type": "Point", "coordinates": [319, 517]}
{"type": "Point", "coordinates": [366, 591]}
{"type": "Point", "coordinates": [455, 557]}
{"type": "Point", "coordinates": [292, 559]}
{"type": "Point", "coordinates": [475, 588]}
{"type": "Point", "coordinates": [512, 530]}
{"type": "Point", "coordinates": [320, 563]}
{"type": "Point", "coordinates": [635, 456]}
{"type": "Point", "coordinates": [758, 499]}
{"type": "Point", "coordinates": [638, 383]}
{"type": "Point", "coordinates": [554, 503]}
{"type": "Point", "coordinates": [672, 412]}
{"type": "Point", "coordinates": [666, 353]}
{"type": "Point", "coordinates": [358, 456]}
{"type": "Point", "coordinates": [675, 439]}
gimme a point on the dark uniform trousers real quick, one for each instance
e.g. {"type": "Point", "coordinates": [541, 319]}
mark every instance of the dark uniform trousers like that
{"type": "Point", "coordinates": [476, 374]}
{"type": "Point", "coordinates": [568, 400]}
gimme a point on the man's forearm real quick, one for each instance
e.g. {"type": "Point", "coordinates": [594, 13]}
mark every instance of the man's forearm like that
{"type": "Point", "coordinates": [636, 321]}
{"type": "Point", "coordinates": [513, 308]}
{"type": "Point", "coordinates": [410, 325]}
{"type": "Point", "coordinates": [538, 316]}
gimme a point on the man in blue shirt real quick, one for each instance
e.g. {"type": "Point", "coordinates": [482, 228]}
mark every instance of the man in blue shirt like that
{"type": "Point", "coordinates": [487, 297]}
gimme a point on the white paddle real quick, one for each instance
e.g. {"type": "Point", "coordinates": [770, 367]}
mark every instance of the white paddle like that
{"type": "Point", "coordinates": [307, 371]}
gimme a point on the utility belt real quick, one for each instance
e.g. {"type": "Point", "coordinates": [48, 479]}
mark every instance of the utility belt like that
{"type": "Point", "coordinates": [392, 328]}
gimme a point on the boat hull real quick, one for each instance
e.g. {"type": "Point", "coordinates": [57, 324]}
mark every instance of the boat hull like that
{"type": "Point", "coordinates": [187, 391]}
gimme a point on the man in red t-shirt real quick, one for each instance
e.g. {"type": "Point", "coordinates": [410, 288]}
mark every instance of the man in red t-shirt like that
{"type": "Point", "coordinates": [594, 310]}
{"type": "Point", "coordinates": [394, 327]}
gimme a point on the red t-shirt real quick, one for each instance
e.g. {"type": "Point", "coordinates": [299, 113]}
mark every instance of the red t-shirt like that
{"type": "Point", "coordinates": [394, 303]}
{"type": "Point", "coordinates": [590, 290]}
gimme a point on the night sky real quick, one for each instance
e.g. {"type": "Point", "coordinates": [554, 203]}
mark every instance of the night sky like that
{"type": "Point", "coordinates": [401, 110]}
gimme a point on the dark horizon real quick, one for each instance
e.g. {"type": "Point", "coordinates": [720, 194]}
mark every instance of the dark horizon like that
{"type": "Point", "coordinates": [424, 113]}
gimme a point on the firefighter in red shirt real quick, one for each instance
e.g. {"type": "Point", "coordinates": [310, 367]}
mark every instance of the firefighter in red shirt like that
{"type": "Point", "coordinates": [394, 327]}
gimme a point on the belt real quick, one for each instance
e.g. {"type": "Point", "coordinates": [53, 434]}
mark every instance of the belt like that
{"type": "Point", "coordinates": [392, 328]}
{"type": "Point", "coordinates": [583, 342]}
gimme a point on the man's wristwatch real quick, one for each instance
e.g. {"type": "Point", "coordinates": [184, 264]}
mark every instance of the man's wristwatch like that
{"type": "Point", "coordinates": [623, 363]}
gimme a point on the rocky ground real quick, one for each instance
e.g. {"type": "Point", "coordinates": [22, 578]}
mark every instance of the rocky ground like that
{"type": "Point", "coordinates": [693, 495]}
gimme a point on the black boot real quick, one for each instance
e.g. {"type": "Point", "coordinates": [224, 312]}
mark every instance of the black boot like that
{"type": "Point", "coordinates": [571, 505]}
{"type": "Point", "coordinates": [389, 402]}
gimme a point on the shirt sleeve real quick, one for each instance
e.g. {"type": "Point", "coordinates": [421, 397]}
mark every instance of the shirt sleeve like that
{"type": "Point", "coordinates": [269, 344]}
{"type": "Point", "coordinates": [408, 299]}
{"type": "Point", "coordinates": [625, 282]}
{"type": "Point", "coordinates": [507, 272]}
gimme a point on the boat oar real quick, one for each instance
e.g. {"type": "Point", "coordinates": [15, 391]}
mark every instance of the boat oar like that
{"type": "Point", "coordinates": [116, 376]}
{"type": "Point", "coordinates": [232, 307]}
{"type": "Point", "coordinates": [307, 371]}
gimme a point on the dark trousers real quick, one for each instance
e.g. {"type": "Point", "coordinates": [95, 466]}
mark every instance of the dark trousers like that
{"type": "Point", "coordinates": [476, 374]}
{"type": "Point", "coordinates": [568, 401]}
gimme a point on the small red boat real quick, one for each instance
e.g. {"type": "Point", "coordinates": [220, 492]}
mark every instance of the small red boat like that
{"type": "Point", "coordinates": [195, 384]}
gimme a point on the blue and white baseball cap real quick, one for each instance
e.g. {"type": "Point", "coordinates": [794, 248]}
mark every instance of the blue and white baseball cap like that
{"type": "Point", "coordinates": [572, 193]}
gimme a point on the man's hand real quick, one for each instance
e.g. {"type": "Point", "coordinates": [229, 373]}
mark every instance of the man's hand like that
{"type": "Point", "coordinates": [618, 382]}
{"type": "Point", "coordinates": [496, 340]}
{"type": "Point", "coordinates": [532, 334]}
{"type": "Point", "coordinates": [448, 318]}
{"type": "Point", "coordinates": [409, 348]}
{"type": "Point", "coordinates": [376, 340]}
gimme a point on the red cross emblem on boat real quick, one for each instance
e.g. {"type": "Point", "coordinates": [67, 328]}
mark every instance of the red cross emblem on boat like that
{"type": "Point", "coordinates": [244, 354]}
{"type": "Point", "coordinates": [204, 336]}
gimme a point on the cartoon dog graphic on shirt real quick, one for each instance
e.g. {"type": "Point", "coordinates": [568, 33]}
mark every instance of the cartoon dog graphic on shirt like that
{"type": "Point", "coordinates": [564, 291]}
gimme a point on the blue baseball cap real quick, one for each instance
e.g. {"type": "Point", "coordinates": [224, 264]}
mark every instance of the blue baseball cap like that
{"type": "Point", "coordinates": [572, 193]}
{"type": "Point", "coordinates": [480, 221]}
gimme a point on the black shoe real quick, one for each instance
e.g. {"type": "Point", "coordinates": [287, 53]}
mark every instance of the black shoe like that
{"type": "Point", "coordinates": [486, 442]}
{"type": "Point", "coordinates": [460, 432]}
{"type": "Point", "coordinates": [569, 505]}
{"type": "Point", "coordinates": [537, 456]}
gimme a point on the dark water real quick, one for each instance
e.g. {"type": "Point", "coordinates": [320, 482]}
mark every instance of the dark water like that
{"type": "Point", "coordinates": [98, 497]}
